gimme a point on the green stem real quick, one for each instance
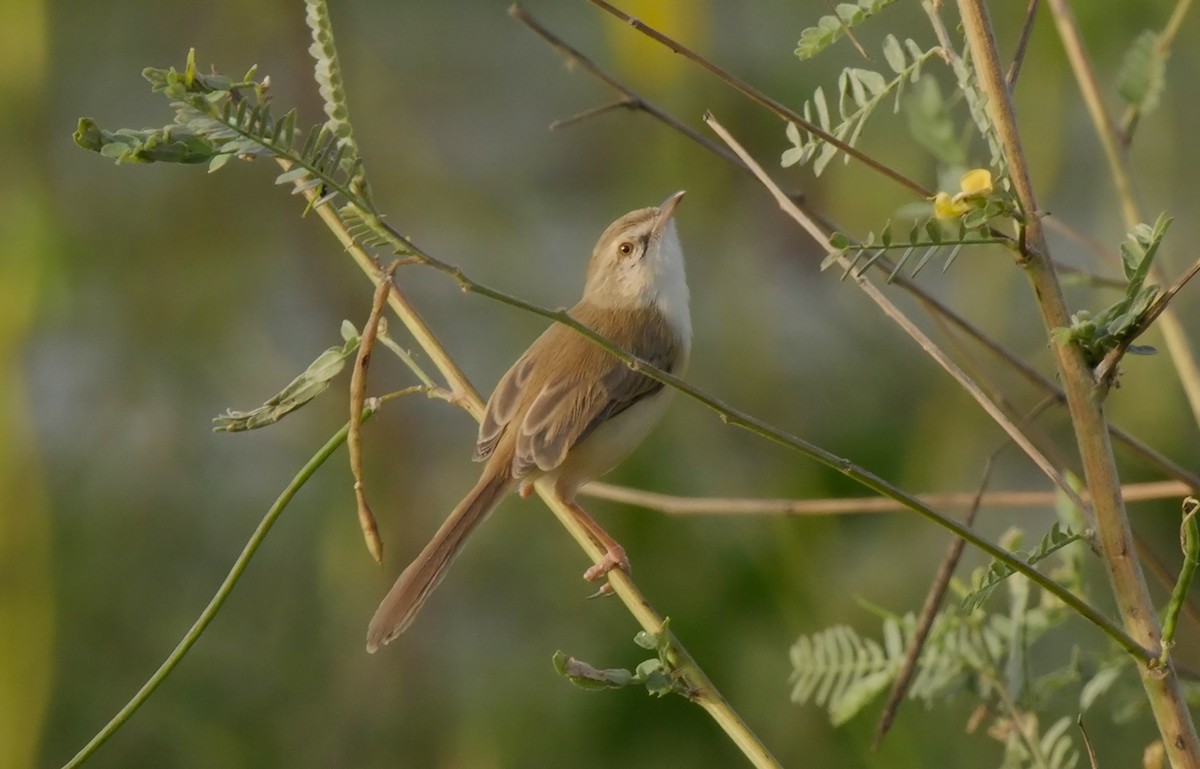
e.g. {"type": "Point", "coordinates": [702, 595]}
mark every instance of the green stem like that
{"type": "Point", "coordinates": [210, 611]}
{"type": "Point", "coordinates": [1189, 535]}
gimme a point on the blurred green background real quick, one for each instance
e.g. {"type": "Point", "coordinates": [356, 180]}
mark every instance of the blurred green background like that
{"type": "Point", "coordinates": [138, 302]}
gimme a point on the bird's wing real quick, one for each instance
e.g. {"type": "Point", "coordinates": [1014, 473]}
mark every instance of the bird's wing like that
{"type": "Point", "coordinates": [550, 403]}
{"type": "Point", "coordinates": [504, 403]}
{"type": "Point", "coordinates": [565, 412]}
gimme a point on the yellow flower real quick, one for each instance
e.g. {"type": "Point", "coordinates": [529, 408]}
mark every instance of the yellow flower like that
{"type": "Point", "coordinates": [945, 207]}
{"type": "Point", "coordinates": [975, 183]}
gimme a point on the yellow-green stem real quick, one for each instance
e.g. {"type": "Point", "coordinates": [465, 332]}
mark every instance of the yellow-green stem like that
{"type": "Point", "coordinates": [218, 600]}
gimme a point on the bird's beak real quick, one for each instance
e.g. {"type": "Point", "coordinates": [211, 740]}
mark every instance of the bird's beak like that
{"type": "Point", "coordinates": [664, 214]}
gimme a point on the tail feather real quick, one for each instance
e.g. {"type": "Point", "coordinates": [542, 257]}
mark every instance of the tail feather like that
{"type": "Point", "coordinates": [399, 608]}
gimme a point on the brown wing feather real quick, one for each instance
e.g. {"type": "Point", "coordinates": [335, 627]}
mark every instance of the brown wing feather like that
{"type": "Point", "coordinates": [503, 405]}
{"type": "Point", "coordinates": [560, 413]}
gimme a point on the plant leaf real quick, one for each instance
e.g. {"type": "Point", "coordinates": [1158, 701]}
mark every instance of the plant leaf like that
{"type": "Point", "coordinates": [1143, 73]}
{"type": "Point", "coordinates": [308, 385]}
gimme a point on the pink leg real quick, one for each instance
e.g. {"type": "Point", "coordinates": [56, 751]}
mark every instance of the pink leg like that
{"type": "Point", "coordinates": [614, 555]}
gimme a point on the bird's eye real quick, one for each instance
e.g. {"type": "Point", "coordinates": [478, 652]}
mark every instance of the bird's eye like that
{"type": "Point", "coordinates": [625, 248]}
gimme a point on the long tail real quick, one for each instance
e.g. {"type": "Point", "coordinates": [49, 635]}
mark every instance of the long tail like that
{"type": "Point", "coordinates": [400, 606]}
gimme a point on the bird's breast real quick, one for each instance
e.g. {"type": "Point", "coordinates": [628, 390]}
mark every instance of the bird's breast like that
{"type": "Point", "coordinates": [606, 446]}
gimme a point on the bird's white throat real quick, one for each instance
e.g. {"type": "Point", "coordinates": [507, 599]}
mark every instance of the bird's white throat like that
{"type": "Point", "coordinates": [670, 284]}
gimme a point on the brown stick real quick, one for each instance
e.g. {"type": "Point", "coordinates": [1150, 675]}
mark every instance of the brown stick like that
{"type": "Point", "coordinates": [743, 506]}
{"type": "Point", "coordinates": [358, 394]}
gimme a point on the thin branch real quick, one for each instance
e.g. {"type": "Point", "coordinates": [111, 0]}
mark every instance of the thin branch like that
{"type": "Point", "coordinates": [358, 395]}
{"type": "Point", "coordinates": [1087, 744]}
{"type": "Point", "coordinates": [847, 31]}
{"type": "Point", "coordinates": [761, 98]}
{"type": "Point", "coordinates": [932, 10]}
{"type": "Point", "coordinates": [928, 613]}
{"type": "Point", "coordinates": [628, 97]}
{"type": "Point", "coordinates": [1014, 69]}
{"type": "Point", "coordinates": [672, 504]}
{"type": "Point", "coordinates": [404, 355]}
{"type": "Point", "coordinates": [592, 112]}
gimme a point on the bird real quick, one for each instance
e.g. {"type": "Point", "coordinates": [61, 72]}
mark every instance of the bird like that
{"type": "Point", "coordinates": [569, 411]}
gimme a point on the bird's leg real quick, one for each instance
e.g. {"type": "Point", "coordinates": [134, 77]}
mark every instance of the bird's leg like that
{"type": "Point", "coordinates": [614, 555]}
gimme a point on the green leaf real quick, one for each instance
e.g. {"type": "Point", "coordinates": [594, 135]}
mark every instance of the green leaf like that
{"type": "Point", "coordinates": [893, 52]}
{"type": "Point", "coordinates": [843, 672]}
{"type": "Point", "coordinates": [931, 124]}
{"type": "Point", "coordinates": [934, 231]}
{"type": "Point", "coordinates": [218, 119]}
{"type": "Point", "coordinates": [1098, 684]}
{"type": "Point", "coordinates": [587, 677]}
{"type": "Point", "coordinates": [292, 175]}
{"type": "Point", "coordinates": [930, 252]}
{"type": "Point", "coordinates": [1057, 538]}
{"type": "Point", "coordinates": [793, 156]}
{"type": "Point", "coordinates": [1057, 747]}
{"type": "Point", "coordinates": [653, 675]}
{"type": "Point", "coordinates": [873, 82]}
{"type": "Point", "coordinates": [646, 640]}
{"type": "Point", "coordinates": [822, 108]}
{"type": "Point", "coordinates": [1122, 321]}
{"type": "Point", "coordinates": [660, 641]}
{"type": "Point", "coordinates": [860, 92]}
{"type": "Point", "coordinates": [314, 381]}
{"type": "Point", "coordinates": [858, 695]}
{"type": "Point", "coordinates": [173, 144]}
{"type": "Point", "coordinates": [1143, 73]}
{"type": "Point", "coordinates": [829, 29]}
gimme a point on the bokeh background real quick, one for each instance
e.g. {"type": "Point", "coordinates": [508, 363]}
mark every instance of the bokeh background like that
{"type": "Point", "coordinates": [138, 302]}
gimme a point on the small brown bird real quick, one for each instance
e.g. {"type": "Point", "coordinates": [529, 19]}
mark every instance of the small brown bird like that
{"type": "Point", "coordinates": [568, 410]}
